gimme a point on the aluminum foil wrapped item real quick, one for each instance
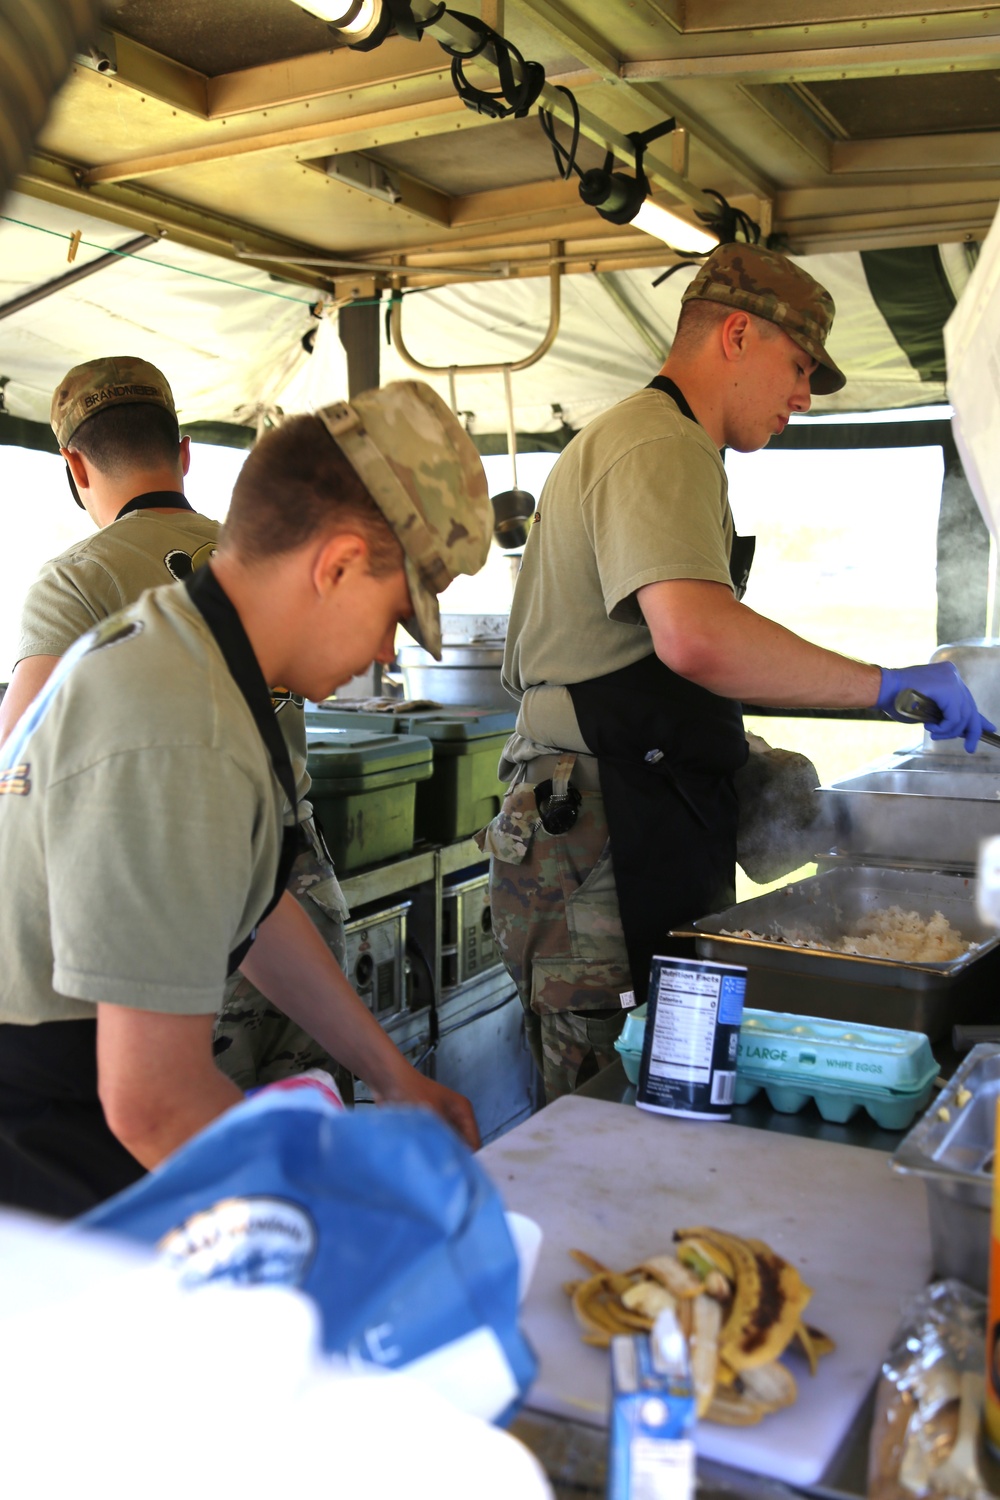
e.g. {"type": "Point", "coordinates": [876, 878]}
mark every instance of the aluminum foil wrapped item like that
{"type": "Point", "coordinates": [928, 1407]}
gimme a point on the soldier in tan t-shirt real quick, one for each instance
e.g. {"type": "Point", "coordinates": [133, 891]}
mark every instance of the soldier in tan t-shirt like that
{"type": "Point", "coordinates": [147, 798]}
{"type": "Point", "coordinates": [116, 424]}
{"type": "Point", "coordinates": [631, 652]}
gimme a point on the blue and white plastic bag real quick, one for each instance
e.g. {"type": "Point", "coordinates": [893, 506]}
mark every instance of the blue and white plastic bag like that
{"type": "Point", "coordinates": [382, 1216]}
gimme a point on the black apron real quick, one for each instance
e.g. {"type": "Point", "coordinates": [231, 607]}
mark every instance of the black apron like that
{"type": "Point", "coordinates": [57, 1154]}
{"type": "Point", "coordinates": [667, 752]}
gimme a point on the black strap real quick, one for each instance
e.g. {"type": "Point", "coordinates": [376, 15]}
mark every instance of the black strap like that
{"type": "Point", "coordinates": [222, 619]}
{"type": "Point", "coordinates": [670, 388]}
{"type": "Point", "coordinates": [156, 500]}
{"type": "Point", "coordinates": [741, 556]}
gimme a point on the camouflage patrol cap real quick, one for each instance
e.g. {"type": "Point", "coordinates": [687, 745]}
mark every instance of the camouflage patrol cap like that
{"type": "Point", "coordinates": [100, 383]}
{"type": "Point", "coordinates": [422, 470]}
{"type": "Point", "coordinates": [768, 284]}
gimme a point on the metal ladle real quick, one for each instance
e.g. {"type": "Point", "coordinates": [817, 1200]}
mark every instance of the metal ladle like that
{"type": "Point", "coordinates": [923, 710]}
{"type": "Point", "coordinates": [513, 508]}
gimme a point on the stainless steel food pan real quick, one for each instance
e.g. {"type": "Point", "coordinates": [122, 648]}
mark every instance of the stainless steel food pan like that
{"type": "Point", "coordinates": [951, 1148]}
{"type": "Point", "coordinates": [935, 818]}
{"type": "Point", "coordinates": [845, 987]}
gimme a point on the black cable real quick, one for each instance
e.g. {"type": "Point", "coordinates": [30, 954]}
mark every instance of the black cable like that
{"type": "Point", "coordinates": [559, 151]}
{"type": "Point", "coordinates": [433, 1022]}
{"type": "Point", "coordinates": [729, 223]}
{"type": "Point", "coordinates": [512, 97]}
{"type": "Point", "coordinates": [678, 266]}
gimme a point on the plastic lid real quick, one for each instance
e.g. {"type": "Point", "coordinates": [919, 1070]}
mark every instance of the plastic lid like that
{"type": "Point", "coordinates": [460, 724]}
{"type": "Point", "coordinates": [336, 753]}
{"type": "Point", "coordinates": [779, 1047]}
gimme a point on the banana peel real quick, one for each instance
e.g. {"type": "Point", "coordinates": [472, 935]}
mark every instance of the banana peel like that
{"type": "Point", "coordinates": [768, 1299]}
{"type": "Point", "coordinates": [738, 1304]}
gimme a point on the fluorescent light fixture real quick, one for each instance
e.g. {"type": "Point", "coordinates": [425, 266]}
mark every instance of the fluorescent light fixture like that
{"type": "Point", "coordinates": [354, 19]}
{"type": "Point", "coordinates": [673, 230]}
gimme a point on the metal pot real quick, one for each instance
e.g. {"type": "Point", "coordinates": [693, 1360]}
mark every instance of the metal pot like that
{"type": "Point", "coordinates": [467, 674]}
{"type": "Point", "coordinates": [978, 664]}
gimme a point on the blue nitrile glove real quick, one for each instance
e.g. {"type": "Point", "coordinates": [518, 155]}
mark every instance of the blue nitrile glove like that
{"type": "Point", "coordinates": [939, 681]}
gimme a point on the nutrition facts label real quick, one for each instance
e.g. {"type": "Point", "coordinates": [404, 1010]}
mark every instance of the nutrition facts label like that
{"type": "Point", "coordinates": [687, 1005]}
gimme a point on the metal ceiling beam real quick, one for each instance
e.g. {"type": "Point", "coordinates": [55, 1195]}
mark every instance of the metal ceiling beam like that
{"type": "Point", "coordinates": [674, 12]}
{"type": "Point", "coordinates": [781, 109]}
{"type": "Point", "coordinates": [160, 77]}
{"type": "Point", "coordinates": [594, 52]}
{"type": "Point", "coordinates": [512, 206]}
{"type": "Point", "coordinates": [966, 54]}
{"type": "Point", "coordinates": [919, 153]}
{"type": "Point", "coordinates": [352, 133]}
{"type": "Point", "coordinates": [822, 219]}
{"type": "Point", "coordinates": [769, 15]}
{"type": "Point", "coordinates": [318, 75]}
{"type": "Point", "coordinates": [150, 213]}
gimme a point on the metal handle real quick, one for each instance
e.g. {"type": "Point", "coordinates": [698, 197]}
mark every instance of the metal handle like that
{"type": "Point", "coordinates": [964, 1038]}
{"type": "Point", "coordinates": [913, 705]}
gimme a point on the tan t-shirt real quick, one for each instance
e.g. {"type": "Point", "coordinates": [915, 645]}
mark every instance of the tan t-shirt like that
{"type": "Point", "coordinates": [107, 572]}
{"type": "Point", "coordinates": [639, 496]}
{"type": "Point", "coordinates": [113, 568]}
{"type": "Point", "coordinates": [140, 824]}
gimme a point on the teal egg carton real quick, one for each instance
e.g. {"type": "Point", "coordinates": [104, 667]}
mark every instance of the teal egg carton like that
{"type": "Point", "coordinates": [888, 1073]}
{"type": "Point", "coordinates": [629, 1044]}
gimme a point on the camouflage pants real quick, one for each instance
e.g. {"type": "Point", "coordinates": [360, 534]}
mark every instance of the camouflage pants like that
{"type": "Point", "coordinates": [256, 1043]}
{"type": "Point", "coordinates": [557, 925]}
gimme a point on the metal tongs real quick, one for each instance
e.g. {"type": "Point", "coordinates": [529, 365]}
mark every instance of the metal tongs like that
{"type": "Point", "coordinates": [913, 705]}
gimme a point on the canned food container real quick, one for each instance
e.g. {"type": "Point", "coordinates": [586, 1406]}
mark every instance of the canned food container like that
{"type": "Point", "coordinates": [691, 1036]}
{"type": "Point", "coordinates": [794, 1059]}
{"type": "Point", "coordinates": [951, 1147]}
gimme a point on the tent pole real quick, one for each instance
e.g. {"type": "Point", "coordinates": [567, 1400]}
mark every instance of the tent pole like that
{"type": "Point", "coordinates": [39, 293]}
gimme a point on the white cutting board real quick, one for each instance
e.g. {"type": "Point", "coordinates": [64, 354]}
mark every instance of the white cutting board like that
{"type": "Point", "coordinates": [615, 1181]}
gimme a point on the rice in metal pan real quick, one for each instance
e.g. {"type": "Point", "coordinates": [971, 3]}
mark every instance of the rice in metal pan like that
{"type": "Point", "coordinates": [893, 933]}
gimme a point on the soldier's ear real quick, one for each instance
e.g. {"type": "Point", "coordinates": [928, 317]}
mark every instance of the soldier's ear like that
{"type": "Point", "coordinates": [735, 332]}
{"type": "Point", "coordinates": [78, 470]}
{"type": "Point", "coordinates": [338, 557]}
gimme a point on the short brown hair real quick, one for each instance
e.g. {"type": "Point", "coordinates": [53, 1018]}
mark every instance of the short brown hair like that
{"type": "Point", "coordinates": [121, 438]}
{"type": "Point", "coordinates": [698, 319]}
{"type": "Point", "coordinates": [297, 484]}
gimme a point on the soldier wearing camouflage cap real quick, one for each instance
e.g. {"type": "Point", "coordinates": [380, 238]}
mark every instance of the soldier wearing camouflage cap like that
{"type": "Point", "coordinates": [116, 424]}
{"type": "Point", "coordinates": [630, 652]}
{"type": "Point", "coordinates": [147, 799]}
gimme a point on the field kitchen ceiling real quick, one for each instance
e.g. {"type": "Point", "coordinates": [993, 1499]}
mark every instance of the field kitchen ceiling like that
{"type": "Point", "coordinates": [247, 129]}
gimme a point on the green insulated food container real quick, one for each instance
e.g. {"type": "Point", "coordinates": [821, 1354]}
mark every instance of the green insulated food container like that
{"type": "Point", "coordinates": [464, 792]}
{"type": "Point", "coordinates": [364, 791]}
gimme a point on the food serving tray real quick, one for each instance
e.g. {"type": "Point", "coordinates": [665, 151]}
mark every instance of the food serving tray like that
{"type": "Point", "coordinates": [906, 812]}
{"type": "Point", "coordinates": [850, 987]}
{"type": "Point", "coordinates": [951, 1147]}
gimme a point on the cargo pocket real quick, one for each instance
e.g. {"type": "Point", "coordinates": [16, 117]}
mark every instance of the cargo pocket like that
{"type": "Point", "coordinates": [593, 918]}
{"type": "Point", "coordinates": [329, 897]}
{"type": "Point", "coordinates": [510, 835]}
